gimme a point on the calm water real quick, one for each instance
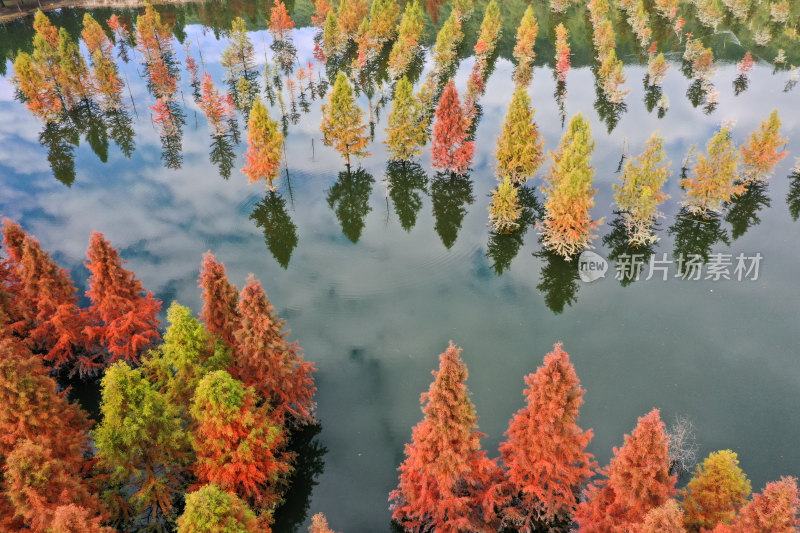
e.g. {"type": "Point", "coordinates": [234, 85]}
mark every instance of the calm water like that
{"type": "Point", "coordinates": [373, 288]}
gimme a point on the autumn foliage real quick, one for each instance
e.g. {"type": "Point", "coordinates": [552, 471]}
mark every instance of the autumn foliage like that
{"type": "Point", "coordinates": [279, 20]}
{"type": "Point", "coordinates": [715, 176]}
{"type": "Point", "coordinates": [544, 455]}
{"type": "Point", "coordinates": [219, 110]}
{"type": "Point", "coordinates": [342, 125]}
{"type": "Point", "coordinates": [562, 52]}
{"type": "Point", "coordinates": [451, 150]}
{"type": "Point", "coordinates": [211, 509]}
{"type": "Point", "coordinates": [636, 481]}
{"type": "Point", "coordinates": [220, 300]}
{"type": "Point", "coordinates": [264, 146]}
{"type": "Point", "coordinates": [776, 509]}
{"type": "Point", "coordinates": [520, 145]}
{"type": "Point", "coordinates": [716, 492]}
{"type": "Point", "coordinates": [459, 490]}
{"type": "Point", "coordinates": [524, 51]}
{"type": "Point", "coordinates": [762, 152]}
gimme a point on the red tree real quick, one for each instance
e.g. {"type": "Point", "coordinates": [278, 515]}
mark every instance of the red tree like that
{"type": "Point", "coordinates": [220, 300]}
{"type": "Point", "coordinates": [45, 305]}
{"type": "Point", "coordinates": [217, 108]}
{"type": "Point", "coordinates": [75, 519]}
{"type": "Point", "coordinates": [279, 20]}
{"type": "Point", "coordinates": [451, 150]}
{"type": "Point", "coordinates": [237, 442]}
{"type": "Point", "coordinates": [319, 524]}
{"type": "Point", "coordinates": [775, 509]}
{"type": "Point", "coordinates": [265, 360]}
{"type": "Point", "coordinates": [321, 8]}
{"type": "Point", "coordinates": [38, 483]}
{"type": "Point", "coordinates": [637, 480]}
{"type": "Point", "coordinates": [447, 483]}
{"type": "Point", "coordinates": [123, 316]}
{"type": "Point", "coordinates": [545, 455]}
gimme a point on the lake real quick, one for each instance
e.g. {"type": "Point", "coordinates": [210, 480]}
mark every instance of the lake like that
{"type": "Point", "coordinates": [377, 269]}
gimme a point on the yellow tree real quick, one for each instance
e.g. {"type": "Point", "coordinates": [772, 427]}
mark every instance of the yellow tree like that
{"type": "Point", "coordinates": [524, 49]}
{"type": "Point", "coordinates": [406, 134]}
{"type": "Point", "coordinates": [760, 154]}
{"type": "Point", "coordinates": [342, 121]}
{"type": "Point", "coordinates": [520, 145]}
{"type": "Point", "coordinates": [716, 492]}
{"type": "Point", "coordinates": [504, 210]}
{"type": "Point", "coordinates": [715, 174]}
{"type": "Point", "coordinates": [264, 142]}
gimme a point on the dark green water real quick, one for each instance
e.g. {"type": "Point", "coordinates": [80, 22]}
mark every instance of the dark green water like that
{"type": "Point", "coordinates": [377, 269]}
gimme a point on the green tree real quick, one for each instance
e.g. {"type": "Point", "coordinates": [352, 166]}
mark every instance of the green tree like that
{"type": "Point", "coordinates": [213, 510]}
{"type": "Point", "coordinates": [141, 446]}
{"type": "Point", "coordinates": [447, 41]}
{"type": "Point", "coordinates": [409, 35]}
{"type": "Point", "coordinates": [74, 75]}
{"type": "Point", "coordinates": [342, 121]}
{"type": "Point", "coordinates": [407, 131]}
{"type": "Point", "coordinates": [717, 491]}
{"type": "Point", "coordinates": [714, 180]}
{"type": "Point", "coordinates": [333, 41]}
{"type": "Point", "coordinates": [238, 60]}
{"type": "Point", "coordinates": [520, 145]}
{"type": "Point", "coordinates": [640, 193]}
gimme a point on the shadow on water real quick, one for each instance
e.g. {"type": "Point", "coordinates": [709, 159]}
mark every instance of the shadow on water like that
{"type": "Point", "coordinates": [742, 211]}
{"type": "Point", "coordinates": [450, 194]}
{"type": "Point", "coordinates": [558, 281]}
{"type": "Point", "coordinates": [502, 248]}
{"type": "Point", "coordinates": [695, 236]}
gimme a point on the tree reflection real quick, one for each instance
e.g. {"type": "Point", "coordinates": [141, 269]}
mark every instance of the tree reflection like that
{"type": "Point", "coordinates": [221, 154]}
{"type": "Point", "coordinates": [740, 84]}
{"type": "Point", "coordinates": [280, 233]}
{"type": "Point", "coordinates": [793, 198]}
{"type": "Point", "coordinates": [504, 247]}
{"type": "Point", "coordinates": [622, 252]}
{"type": "Point", "coordinates": [171, 135]}
{"type": "Point", "coordinates": [349, 198]}
{"type": "Point", "coordinates": [450, 195]}
{"type": "Point", "coordinates": [743, 210]}
{"type": "Point", "coordinates": [308, 465]}
{"type": "Point", "coordinates": [610, 113]}
{"type": "Point", "coordinates": [120, 129]}
{"type": "Point", "coordinates": [60, 140]}
{"type": "Point", "coordinates": [695, 236]}
{"type": "Point", "coordinates": [408, 182]}
{"type": "Point", "coordinates": [559, 281]}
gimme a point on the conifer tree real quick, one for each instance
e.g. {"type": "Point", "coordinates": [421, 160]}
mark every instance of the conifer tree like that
{"type": "Point", "coordinates": [714, 180]}
{"type": "Point", "coordinates": [611, 75]}
{"type": "Point", "coordinates": [567, 226]}
{"type": "Point", "coordinates": [562, 52]}
{"type": "Point", "coordinates": [38, 90]}
{"type": "Point", "coordinates": [265, 360]}
{"type": "Point", "coordinates": [640, 193]}
{"type": "Point", "coordinates": [264, 144]}
{"type": "Point", "coordinates": [665, 519]}
{"type": "Point", "coordinates": [220, 300]}
{"type": "Point", "coordinates": [142, 448]}
{"type": "Point", "coordinates": [350, 14]}
{"type": "Point", "coordinates": [321, 10]}
{"type": "Point", "coordinates": [491, 27]}
{"type": "Point", "coordinates": [76, 519]}
{"type": "Point", "coordinates": [238, 60]}
{"type": "Point", "coordinates": [279, 20]}
{"type": "Point", "coordinates": [409, 37]}
{"type": "Point", "coordinates": [524, 51]}
{"type": "Point", "coordinates": [319, 524]}
{"type": "Point", "coordinates": [544, 455]}
{"type": "Point", "coordinates": [520, 146]}
{"type": "Point", "coordinates": [47, 314]}
{"type": "Point", "coordinates": [333, 40]}
{"type": "Point", "coordinates": [237, 444]}
{"type": "Point", "coordinates": [717, 491]}
{"type": "Point", "coordinates": [657, 69]}
{"type": "Point", "coordinates": [342, 122]}
{"type": "Point", "coordinates": [447, 41]}
{"type": "Point", "coordinates": [383, 15]}
{"type": "Point", "coordinates": [155, 43]}
{"type": "Point", "coordinates": [217, 109]}
{"type": "Point", "coordinates": [458, 491]}
{"type": "Point", "coordinates": [775, 509]}
{"type": "Point", "coordinates": [505, 209]}
{"type": "Point", "coordinates": [451, 149]}
{"type": "Point", "coordinates": [636, 481]}
{"type": "Point", "coordinates": [406, 133]}
{"type": "Point", "coordinates": [106, 76]}
{"type": "Point", "coordinates": [761, 152]}
{"type": "Point", "coordinates": [37, 483]}
{"type": "Point", "coordinates": [210, 509]}
{"type": "Point", "coordinates": [123, 317]}
{"type": "Point", "coordinates": [74, 75]}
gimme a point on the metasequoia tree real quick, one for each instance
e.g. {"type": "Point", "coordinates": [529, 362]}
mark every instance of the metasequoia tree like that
{"type": "Point", "coordinates": [122, 317]}
{"type": "Point", "coordinates": [451, 149]}
{"type": "Point", "coordinates": [264, 146]}
{"type": "Point", "coordinates": [406, 133]}
{"type": "Point", "coordinates": [74, 78]}
{"type": "Point", "coordinates": [409, 35]}
{"type": "Point", "coordinates": [155, 43]}
{"type": "Point", "coordinates": [447, 40]}
{"type": "Point", "coordinates": [44, 304]}
{"type": "Point", "coordinates": [504, 209]}
{"type": "Point", "coordinates": [238, 60]}
{"type": "Point", "coordinates": [491, 27]}
{"type": "Point", "coordinates": [237, 443]}
{"type": "Point", "coordinates": [775, 509]}
{"type": "Point", "coordinates": [142, 448]}
{"type": "Point", "coordinates": [657, 69]}
{"type": "Point", "coordinates": [279, 20]}
{"type": "Point", "coordinates": [520, 145]}
{"type": "Point", "coordinates": [218, 109]}
{"type": "Point", "coordinates": [210, 509]}
{"type": "Point", "coordinates": [37, 482]}
{"type": "Point", "coordinates": [333, 40]}
{"type": "Point", "coordinates": [524, 51]}
{"type": "Point", "coordinates": [636, 481]}
{"type": "Point", "coordinates": [716, 492]}
{"type": "Point", "coordinates": [667, 518]}
{"type": "Point", "coordinates": [545, 453]}
{"type": "Point", "coordinates": [567, 225]}
{"type": "Point", "coordinates": [104, 70]}
{"type": "Point", "coordinates": [321, 10]}
{"type": "Point", "coordinates": [38, 90]}
{"type": "Point", "coordinates": [319, 524]}
{"type": "Point", "coordinates": [220, 300]}
{"type": "Point", "coordinates": [562, 52]}
{"type": "Point", "coordinates": [342, 125]}
{"type": "Point", "coordinates": [640, 194]}
{"type": "Point", "coordinates": [715, 174]}
{"type": "Point", "coordinates": [761, 152]}
{"type": "Point", "coordinates": [383, 15]}
{"type": "Point", "coordinates": [350, 14]}
{"type": "Point", "coordinates": [267, 361]}
{"type": "Point", "coordinates": [76, 519]}
{"type": "Point", "coordinates": [459, 490]}
{"type": "Point", "coordinates": [611, 75]}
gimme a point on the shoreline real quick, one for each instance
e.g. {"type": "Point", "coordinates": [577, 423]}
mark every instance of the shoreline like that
{"type": "Point", "coordinates": [16, 9]}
